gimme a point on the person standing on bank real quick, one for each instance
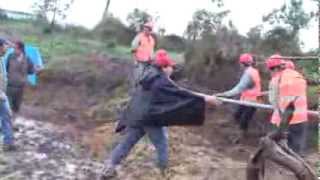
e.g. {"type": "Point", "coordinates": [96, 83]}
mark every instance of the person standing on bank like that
{"type": "Point", "coordinates": [18, 67]}
{"type": "Point", "coordinates": [143, 48]}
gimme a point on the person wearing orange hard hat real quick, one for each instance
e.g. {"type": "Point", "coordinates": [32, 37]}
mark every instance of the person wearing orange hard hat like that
{"type": "Point", "coordinates": [142, 49]}
{"type": "Point", "coordinates": [285, 86]}
{"type": "Point", "coordinates": [249, 87]}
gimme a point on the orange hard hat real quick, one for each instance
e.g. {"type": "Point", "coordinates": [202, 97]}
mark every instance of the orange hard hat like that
{"type": "Point", "coordinates": [274, 60]}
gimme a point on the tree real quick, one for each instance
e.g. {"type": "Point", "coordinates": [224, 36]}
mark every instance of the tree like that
{"type": "Point", "coordinates": [255, 38]}
{"type": "Point", "coordinates": [281, 40]}
{"type": "Point", "coordinates": [162, 32]}
{"type": "Point", "coordinates": [105, 12]}
{"type": "Point", "coordinates": [204, 22]}
{"type": "Point", "coordinates": [54, 8]}
{"type": "Point", "coordinates": [292, 15]}
{"type": "Point", "coordinates": [317, 14]}
{"type": "Point", "coordinates": [137, 18]}
{"type": "Point", "coordinates": [172, 42]}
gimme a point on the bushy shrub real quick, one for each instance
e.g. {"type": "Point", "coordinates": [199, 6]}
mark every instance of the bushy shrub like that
{"type": "Point", "coordinates": [214, 58]}
{"type": "Point", "coordinates": [112, 28]}
{"type": "Point", "coordinates": [3, 15]}
{"type": "Point", "coordinates": [172, 43]}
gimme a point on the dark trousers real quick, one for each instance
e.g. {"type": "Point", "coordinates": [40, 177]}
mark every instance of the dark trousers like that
{"type": "Point", "coordinates": [244, 115]}
{"type": "Point", "coordinates": [15, 95]}
{"type": "Point", "coordinates": [297, 137]}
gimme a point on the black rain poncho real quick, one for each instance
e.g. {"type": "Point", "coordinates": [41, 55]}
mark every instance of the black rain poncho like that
{"type": "Point", "coordinates": [157, 101]}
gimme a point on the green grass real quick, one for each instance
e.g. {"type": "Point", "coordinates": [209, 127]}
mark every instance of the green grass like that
{"type": "Point", "coordinates": [70, 42]}
{"type": "Point", "coordinates": [61, 44]}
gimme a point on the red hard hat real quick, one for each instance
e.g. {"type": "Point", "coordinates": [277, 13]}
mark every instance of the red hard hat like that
{"type": "Point", "coordinates": [289, 64]}
{"type": "Point", "coordinates": [246, 58]}
{"type": "Point", "coordinates": [274, 60]}
{"type": "Point", "coordinates": [162, 59]}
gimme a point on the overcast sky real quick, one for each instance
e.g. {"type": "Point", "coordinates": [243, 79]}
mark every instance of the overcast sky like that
{"type": "Point", "coordinates": [175, 14]}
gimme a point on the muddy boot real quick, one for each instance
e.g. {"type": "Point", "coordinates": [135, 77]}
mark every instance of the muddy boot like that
{"type": "Point", "coordinates": [108, 173]}
{"type": "Point", "coordinates": [15, 129]}
{"type": "Point", "coordinates": [9, 148]}
{"type": "Point", "coordinates": [164, 173]}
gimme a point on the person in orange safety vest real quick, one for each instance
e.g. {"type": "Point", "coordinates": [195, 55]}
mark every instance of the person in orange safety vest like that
{"type": "Point", "coordinates": [142, 48]}
{"type": "Point", "coordinates": [285, 86]}
{"type": "Point", "coordinates": [249, 87]}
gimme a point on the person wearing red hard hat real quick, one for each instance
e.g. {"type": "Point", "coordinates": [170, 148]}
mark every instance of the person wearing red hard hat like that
{"type": "Point", "coordinates": [142, 48]}
{"type": "Point", "coordinates": [289, 64]}
{"type": "Point", "coordinates": [249, 87]}
{"type": "Point", "coordinates": [157, 103]}
{"type": "Point", "coordinates": [286, 85]}
{"type": "Point", "coordinates": [163, 60]}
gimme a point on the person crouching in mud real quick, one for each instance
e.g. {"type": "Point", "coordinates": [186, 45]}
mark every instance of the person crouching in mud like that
{"type": "Point", "coordinates": [158, 102]}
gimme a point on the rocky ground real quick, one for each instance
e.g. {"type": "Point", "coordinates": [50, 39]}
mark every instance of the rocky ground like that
{"type": "Point", "coordinates": [45, 152]}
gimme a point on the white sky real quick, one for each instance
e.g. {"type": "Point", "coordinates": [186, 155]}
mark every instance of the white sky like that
{"type": "Point", "coordinates": [175, 14]}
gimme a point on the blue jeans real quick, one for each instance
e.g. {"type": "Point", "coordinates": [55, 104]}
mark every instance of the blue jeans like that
{"type": "Point", "coordinates": [158, 137]}
{"type": "Point", "coordinates": [6, 125]}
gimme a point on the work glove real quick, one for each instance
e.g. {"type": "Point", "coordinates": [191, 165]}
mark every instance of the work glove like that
{"type": "Point", "coordinates": [212, 100]}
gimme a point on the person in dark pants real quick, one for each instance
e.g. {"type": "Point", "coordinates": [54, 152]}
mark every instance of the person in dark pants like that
{"type": "Point", "coordinates": [244, 114]}
{"type": "Point", "coordinates": [288, 85]}
{"type": "Point", "coordinates": [18, 67]}
{"type": "Point", "coordinates": [249, 87]}
{"type": "Point", "coordinates": [156, 102]}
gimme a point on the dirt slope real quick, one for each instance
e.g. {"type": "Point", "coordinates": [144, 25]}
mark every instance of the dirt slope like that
{"type": "Point", "coordinates": [205, 152]}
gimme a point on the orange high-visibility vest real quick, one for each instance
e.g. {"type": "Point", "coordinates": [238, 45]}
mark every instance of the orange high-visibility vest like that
{"type": "Point", "coordinates": [290, 84]}
{"type": "Point", "coordinates": [145, 49]}
{"type": "Point", "coordinates": [255, 91]}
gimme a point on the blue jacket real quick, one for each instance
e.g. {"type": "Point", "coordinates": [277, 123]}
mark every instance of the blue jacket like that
{"type": "Point", "coordinates": [33, 54]}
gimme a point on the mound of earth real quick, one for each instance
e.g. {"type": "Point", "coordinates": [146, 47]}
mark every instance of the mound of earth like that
{"type": "Point", "coordinates": [67, 132]}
